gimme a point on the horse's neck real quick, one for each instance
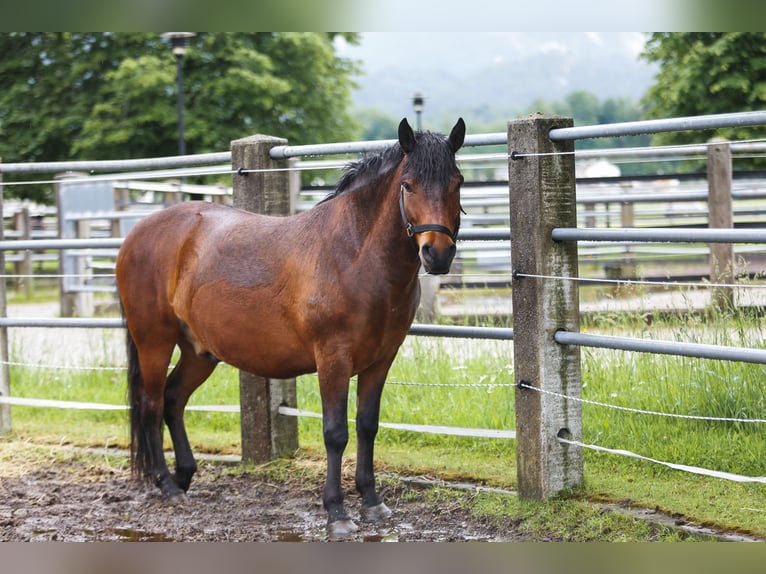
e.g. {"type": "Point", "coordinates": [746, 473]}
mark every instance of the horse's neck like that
{"type": "Point", "coordinates": [381, 230]}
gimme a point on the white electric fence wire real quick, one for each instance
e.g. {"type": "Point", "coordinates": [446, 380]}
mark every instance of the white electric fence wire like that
{"type": "Point", "coordinates": [628, 150]}
{"type": "Point", "coordinates": [123, 368]}
{"type": "Point", "coordinates": [428, 429]}
{"type": "Point", "coordinates": [697, 285]}
{"type": "Point", "coordinates": [76, 405]}
{"type": "Point", "coordinates": [488, 386]}
{"type": "Point", "coordinates": [704, 284]}
{"type": "Point", "coordinates": [641, 411]}
{"type": "Point", "coordinates": [176, 173]}
{"type": "Point", "coordinates": [675, 466]}
{"type": "Point", "coordinates": [285, 411]}
{"type": "Point", "coordinates": [60, 367]}
{"type": "Point", "coordinates": [53, 276]}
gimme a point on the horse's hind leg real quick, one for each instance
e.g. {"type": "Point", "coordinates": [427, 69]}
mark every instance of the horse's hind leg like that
{"type": "Point", "coordinates": [190, 372]}
{"type": "Point", "coordinates": [147, 408]}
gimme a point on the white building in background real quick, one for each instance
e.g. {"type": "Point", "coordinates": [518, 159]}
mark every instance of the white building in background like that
{"type": "Point", "coordinates": [596, 168]}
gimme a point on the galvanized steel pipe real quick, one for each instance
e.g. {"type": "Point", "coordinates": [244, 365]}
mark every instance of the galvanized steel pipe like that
{"type": "Point", "coordinates": [496, 333]}
{"type": "Point", "coordinates": [69, 322]}
{"type": "Point", "coordinates": [284, 152]}
{"type": "Point", "coordinates": [697, 350]}
{"type": "Point", "coordinates": [656, 126]}
{"type": "Point", "coordinates": [115, 165]}
{"type": "Point", "coordinates": [35, 244]}
{"type": "Point", "coordinates": [661, 235]}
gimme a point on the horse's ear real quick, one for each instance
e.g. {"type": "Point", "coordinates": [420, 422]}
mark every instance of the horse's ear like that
{"type": "Point", "coordinates": [457, 135]}
{"type": "Point", "coordinates": [406, 136]}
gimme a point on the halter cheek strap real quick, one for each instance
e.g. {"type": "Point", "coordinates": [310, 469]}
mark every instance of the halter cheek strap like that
{"type": "Point", "coordinates": [413, 229]}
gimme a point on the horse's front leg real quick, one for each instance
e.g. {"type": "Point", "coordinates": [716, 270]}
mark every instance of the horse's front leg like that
{"type": "Point", "coordinates": [333, 386]}
{"type": "Point", "coordinates": [369, 391]}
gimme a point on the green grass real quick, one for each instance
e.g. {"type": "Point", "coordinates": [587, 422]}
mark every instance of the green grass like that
{"type": "Point", "coordinates": [647, 382]}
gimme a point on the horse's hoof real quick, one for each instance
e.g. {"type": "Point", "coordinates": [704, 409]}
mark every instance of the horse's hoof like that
{"type": "Point", "coordinates": [177, 499]}
{"type": "Point", "coordinates": [375, 513]}
{"type": "Point", "coordinates": [342, 527]}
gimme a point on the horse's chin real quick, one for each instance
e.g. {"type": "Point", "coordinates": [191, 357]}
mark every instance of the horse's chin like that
{"type": "Point", "coordinates": [441, 270]}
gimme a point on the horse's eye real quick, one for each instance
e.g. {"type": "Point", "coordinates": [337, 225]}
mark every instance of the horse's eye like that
{"type": "Point", "coordinates": [407, 187]}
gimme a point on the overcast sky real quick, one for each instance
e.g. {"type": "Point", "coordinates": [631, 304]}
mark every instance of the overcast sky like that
{"type": "Point", "coordinates": [471, 49]}
{"type": "Point", "coordinates": [463, 71]}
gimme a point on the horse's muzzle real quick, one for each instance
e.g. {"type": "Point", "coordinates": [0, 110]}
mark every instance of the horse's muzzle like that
{"type": "Point", "coordinates": [437, 260]}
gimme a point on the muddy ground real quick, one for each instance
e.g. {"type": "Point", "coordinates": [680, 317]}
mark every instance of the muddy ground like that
{"type": "Point", "coordinates": [82, 501]}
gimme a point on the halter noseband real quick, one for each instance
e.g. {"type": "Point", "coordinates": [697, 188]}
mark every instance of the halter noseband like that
{"type": "Point", "coordinates": [413, 229]}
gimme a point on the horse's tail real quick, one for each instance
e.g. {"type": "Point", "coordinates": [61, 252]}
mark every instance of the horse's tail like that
{"type": "Point", "coordinates": [139, 454]}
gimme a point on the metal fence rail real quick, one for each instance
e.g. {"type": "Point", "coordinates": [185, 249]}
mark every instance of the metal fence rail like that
{"type": "Point", "coordinates": [698, 350]}
{"type": "Point", "coordinates": [562, 231]}
{"type": "Point", "coordinates": [116, 165]}
{"type": "Point", "coordinates": [714, 121]}
{"type": "Point", "coordinates": [674, 235]}
{"type": "Point", "coordinates": [342, 148]}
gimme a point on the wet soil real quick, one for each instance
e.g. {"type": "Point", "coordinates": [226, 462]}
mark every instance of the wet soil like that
{"type": "Point", "coordinates": [72, 500]}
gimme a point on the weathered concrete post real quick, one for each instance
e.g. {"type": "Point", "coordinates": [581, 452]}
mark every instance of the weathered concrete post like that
{"type": "Point", "coordinates": [5, 377]}
{"type": "Point", "coordinates": [628, 270]}
{"type": "Point", "coordinates": [265, 433]}
{"type": "Point", "coordinates": [719, 171]}
{"type": "Point", "coordinates": [542, 197]}
{"type": "Point", "coordinates": [22, 222]}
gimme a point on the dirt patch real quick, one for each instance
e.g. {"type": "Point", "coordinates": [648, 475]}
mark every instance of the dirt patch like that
{"type": "Point", "coordinates": [73, 500]}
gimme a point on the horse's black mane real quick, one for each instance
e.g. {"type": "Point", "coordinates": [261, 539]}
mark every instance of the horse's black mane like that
{"type": "Point", "coordinates": [432, 161]}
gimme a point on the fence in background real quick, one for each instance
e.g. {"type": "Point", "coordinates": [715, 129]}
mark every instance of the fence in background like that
{"type": "Point", "coordinates": [602, 202]}
{"type": "Point", "coordinates": [545, 291]}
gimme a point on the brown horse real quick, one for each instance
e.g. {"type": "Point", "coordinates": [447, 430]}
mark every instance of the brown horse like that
{"type": "Point", "coordinates": [333, 290]}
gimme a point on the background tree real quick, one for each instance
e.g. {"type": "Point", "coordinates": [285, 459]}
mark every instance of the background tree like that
{"type": "Point", "coordinates": [108, 96]}
{"type": "Point", "coordinates": [706, 73]}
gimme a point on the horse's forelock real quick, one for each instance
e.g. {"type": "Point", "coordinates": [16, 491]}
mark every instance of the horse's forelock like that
{"type": "Point", "coordinates": [432, 161]}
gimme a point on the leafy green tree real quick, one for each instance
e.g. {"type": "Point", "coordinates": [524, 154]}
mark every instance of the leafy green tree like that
{"type": "Point", "coordinates": [706, 73]}
{"type": "Point", "coordinates": [113, 95]}
{"type": "Point", "coordinates": [377, 124]}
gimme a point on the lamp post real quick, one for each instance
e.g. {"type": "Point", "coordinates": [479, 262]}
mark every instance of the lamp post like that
{"type": "Point", "coordinates": [178, 44]}
{"type": "Point", "coordinates": [417, 103]}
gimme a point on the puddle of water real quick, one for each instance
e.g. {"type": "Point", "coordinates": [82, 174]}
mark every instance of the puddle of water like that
{"type": "Point", "coordinates": [384, 536]}
{"type": "Point", "coordinates": [290, 535]}
{"type": "Point", "coordinates": [117, 534]}
{"type": "Point", "coordinates": [132, 535]}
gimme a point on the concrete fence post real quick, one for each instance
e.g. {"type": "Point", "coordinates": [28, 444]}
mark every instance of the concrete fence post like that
{"type": "Point", "coordinates": [22, 223]}
{"type": "Point", "coordinates": [542, 197]}
{"type": "Point", "coordinates": [265, 433]}
{"type": "Point", "coordinates": [719, 174]}
{"type": "Point", "coordinates": [5, 378]}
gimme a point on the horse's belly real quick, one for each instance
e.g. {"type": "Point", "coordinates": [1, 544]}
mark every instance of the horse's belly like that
{"type": "Point", "coordinates": [270, 352]}
{"type": "Point", "coordinates": [275, 363]}
{"type": "Point", "coordinates": [255, 340]}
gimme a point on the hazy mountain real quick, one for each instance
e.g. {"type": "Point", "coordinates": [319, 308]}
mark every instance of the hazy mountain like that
{"type": "Point", "coordinates": [484, 76]}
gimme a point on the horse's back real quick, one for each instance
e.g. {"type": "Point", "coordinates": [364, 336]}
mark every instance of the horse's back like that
{"type": "Point", "coordinates": [159, 248]}
{"type": "Point", "coordinates": [167, 236]}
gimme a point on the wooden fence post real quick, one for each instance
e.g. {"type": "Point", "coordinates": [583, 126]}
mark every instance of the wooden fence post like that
{"type": "Point", "coordinates": [265, 433]}
{"type": "Point", "coordinates": [5, 379]}
{"type": "Point", "coordinates": [542, 197]}
{"type": "Point", "coordinates": [719, 172]}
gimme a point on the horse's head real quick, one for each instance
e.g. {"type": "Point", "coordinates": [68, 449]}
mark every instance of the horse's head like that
{"type": "Point", "coordinates": [429, 197]}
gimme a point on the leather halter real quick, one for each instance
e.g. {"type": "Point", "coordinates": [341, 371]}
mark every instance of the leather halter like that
{"type": "Point", "coordinates": [413, 229]}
